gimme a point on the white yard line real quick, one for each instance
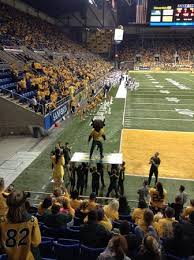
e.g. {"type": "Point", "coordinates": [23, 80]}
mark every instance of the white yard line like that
{"type": "Point", "coordinates": [163, 119]}
{"type": "Point", "coordinates": [167, 104]}
{"type": "Point", "coordinates": [166, 178]}
{"type": "Point", "coordinates": [123, 122]}
{"type": "Point", "coordinates": [153, 110]}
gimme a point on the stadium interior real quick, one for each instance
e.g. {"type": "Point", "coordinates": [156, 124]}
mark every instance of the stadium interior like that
{"type": "Point", "coordinates": [96, 129]}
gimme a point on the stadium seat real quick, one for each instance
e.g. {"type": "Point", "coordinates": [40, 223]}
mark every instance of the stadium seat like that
{"type": "Point", "coordinates": [53, 232]}
{"type": "Point", "coordinates": [73, 233]}
{"type": "Point", "coordinates": [66, 251]}
{"type": "Point", "coordinates": [173, 257]}
{"type": "Point", "coordinates": [88, 253]}
{"type": "Point", "coordinates": [76, 221]}
{"type": "Point", "coordinates": [46, 247]}
{"type": "Point", "coordinates": [3, 257]}
{"type": "Point", "coordinates": [68, 241]}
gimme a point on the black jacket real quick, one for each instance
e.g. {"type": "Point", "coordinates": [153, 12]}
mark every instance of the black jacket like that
{"type": "Point", "coordinates": [94, 235]}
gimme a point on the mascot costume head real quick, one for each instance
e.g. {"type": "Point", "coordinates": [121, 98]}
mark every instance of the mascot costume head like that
{"type": "Point", "coordinates": [98, 124]}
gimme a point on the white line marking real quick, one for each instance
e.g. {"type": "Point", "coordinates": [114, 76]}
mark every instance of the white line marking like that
{"type": "Point", "coordinates": [155, 110]}
{"type": "Point", "coordinates": [120, 141]}
{"type": "Point", "coordinates": [166, 104]}
{"type": "Point", "coordinates": [123, 122]}
{"type": "Point", "coordinates": [167, 178]}
{"type": "Point", "coordinates": [162, 119]}
{"type": "Point", "coordinates": [43, 187]}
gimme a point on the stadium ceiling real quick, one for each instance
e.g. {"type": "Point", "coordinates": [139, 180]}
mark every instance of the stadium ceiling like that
{"type": "Point", "coordinates": [57, 8]}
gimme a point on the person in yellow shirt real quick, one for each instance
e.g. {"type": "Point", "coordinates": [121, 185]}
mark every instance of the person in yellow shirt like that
{"type": "Point", "coordinates": [97, 135]}
{"type": "Point", "coordinates": [158, 197]}
{"type": "Point", "coordinates": [164, 226]}
{"type": "Point", "coordinates": [138, 212]}
{"type": "Point", "coordinates": [103, 220]}
{"type": "Point", "coordinates": [44, 207]}
{"type": "Point", "coordinates": [3, 196]}
{"type": "Point", "coordinates": [58, 167]}
{"type": "Point", "coordinates": [188, 210]}
{"type": "Point", "coordinates": [92, 205]}
{"type": "Point", "coordinates": [111, 210]}
{"type": "Point", "coordinates": [71, 90]}
{"type": "Point", "coordinates": [75, 202]}
{"type": "Point", "coordinates": [19, 231]}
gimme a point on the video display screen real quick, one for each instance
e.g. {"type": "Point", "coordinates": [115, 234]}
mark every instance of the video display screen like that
{"type": "Point", "coordinates": [172, 15]}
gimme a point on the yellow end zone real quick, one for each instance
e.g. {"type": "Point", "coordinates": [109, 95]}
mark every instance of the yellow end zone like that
{"type": "Point", "coordinates": [176, 152]}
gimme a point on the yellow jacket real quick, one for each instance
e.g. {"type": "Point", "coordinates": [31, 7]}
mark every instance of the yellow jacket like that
{"type": "Point", "coordinates": [58, 170]}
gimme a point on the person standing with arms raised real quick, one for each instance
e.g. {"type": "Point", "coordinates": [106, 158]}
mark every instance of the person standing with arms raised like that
{"type": "Point", "coordinates": [155, 162]}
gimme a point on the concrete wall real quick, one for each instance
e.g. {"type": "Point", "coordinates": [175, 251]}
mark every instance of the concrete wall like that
{"type": "Point", "coordinates": [16, 120]}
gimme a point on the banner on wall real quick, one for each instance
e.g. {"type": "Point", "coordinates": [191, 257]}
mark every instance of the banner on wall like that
{"type": "Point", "coordinates": [56, 115]}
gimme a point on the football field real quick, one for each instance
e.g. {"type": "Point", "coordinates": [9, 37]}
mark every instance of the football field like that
{"type": "Point", "coordinates": [158, 116]}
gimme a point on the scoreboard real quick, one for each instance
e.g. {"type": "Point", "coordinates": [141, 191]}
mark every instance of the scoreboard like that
{"type": "Point", "coordinates": [177, 14]}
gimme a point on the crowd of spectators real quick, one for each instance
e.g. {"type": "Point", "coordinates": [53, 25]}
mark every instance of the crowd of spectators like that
{"type": "Point", "coordinates": [158, 53]}
{"type": "Point", "coordinates": [52, 81]}
{"type": "Point", "coordinates": [152, 232]}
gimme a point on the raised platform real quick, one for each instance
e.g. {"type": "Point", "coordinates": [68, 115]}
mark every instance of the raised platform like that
{"type": "Point", "coordinates": [111, 158]}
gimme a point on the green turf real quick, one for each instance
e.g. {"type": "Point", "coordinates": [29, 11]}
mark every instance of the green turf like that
{"type": "Point", "coordinates": [139, 104]}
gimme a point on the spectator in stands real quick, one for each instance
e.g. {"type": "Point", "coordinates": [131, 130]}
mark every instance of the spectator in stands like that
{"type": "Point", "coordinates": [82, 211]}
{"type": "Point", "coordinates": [188, 229]}
{"type": "Point", "coordinates": [3, 196]}
{"type": "Point", "coordinates": [183, 194]}
{"type": "Point", "coordinates": [92, 201]}
{"type": "Point", "coordinates": [178, 207]}
{"type": "Point", "coordinates": [111, 210]}
{"type": "Point", "coordinates": [164, 226]}
{"type": "Point", "coordinates": [58, 167]}
{"type": "Point", "coordinates": [34, 104]}
{"type": "Point", "coordinates": [143, 192]}
{"type": "Point", "coordinates": [158, 197]}
{"type": "Point", "coordinates": [188, 210]}
{"type": "Point", "coordinates": [19, 232]}
{"type": "Point", "coordinates": [59, 196]}
{"type": "Point", "coordinates": [178, 245]}
{"type": "Point", "coordinates": [116, 249]}
{"type": "Point", "coordinates": [45, 206]}
{"type": "Point", "coordinates": [139, 211]}
{"type": "Point", "coordinates": [103, 220]}
{"type": "Point", "coordinates": [132, 241]}
{"type": "Point", "coordinates": [67, 209]}
{"type": "Point", "coordinates": [145, 226]}
{"type": "Point", "coordinates": [93, 234]}
{"type": "Point", "coordinates": [124, 208]}
{"type": "Point", "coordinates": [150, 249]}
{"type": "Point", "coordinates": [55, 219]}
{"type": "Point", "coordinates": [75, 201]}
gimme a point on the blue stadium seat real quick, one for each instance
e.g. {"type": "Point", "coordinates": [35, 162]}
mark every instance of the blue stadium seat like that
{"type": "Point", "coordinates": [77, 221]}
{"type": "Point", "coordinates": [68, 241]}
{"type": "Point", "coordinates": [73, 233]}
{"type": "Point", "coordinates": [66, 251]}
{"type": "Point", "coordinates": [53, 232]}
{"type": "Point", "coordinates": [46, 248]}
{"type": "Point", "coordinates": [173, 257]}
{"type": "Point", "coordinates": [88, 253]}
